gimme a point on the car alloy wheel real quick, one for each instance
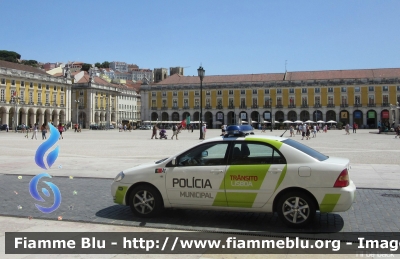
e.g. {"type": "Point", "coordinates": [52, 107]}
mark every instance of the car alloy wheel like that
{"type": "Point", "coordinates": [145, 201]}
{"type": "Point", "coordinates": [296, 209]}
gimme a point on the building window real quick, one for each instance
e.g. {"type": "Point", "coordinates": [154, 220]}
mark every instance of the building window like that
{"type": "Point", "coordinates": [242, 91]}
{"type": "Point", "coordinates": [385, 99]}
{"type": "Point", "coordinates": [303, 90]}
{"type": "Point", "coordinates": [267, 101]}
{"type": "Point", "coordinates": [3, 81]}
{"type": "Point", "coordinates": [304, 101]}
{"type": "Point", "coordinates": [30, 97]}
{"type": "Point", "coordinates": [153, 94]}
{"type": "Point", "coordinates": [291, 100]}
{"type": "Point", "coordinates": [185, 93]}
{"type": "Point", "coordinates": [153, 103]}
{"type": "Point", "coordinates": [344, 100]}
{"type": "Point", "coordinates": [343, 89]}
{"type": "Point", "coordinates": [185, 103]}
{"type": "Point", "coordinates": [39, 97]}
{"type": "Point", "coordinates": [398, 88]}
{"type": "Point", "coordinates": [30, 85]}
{"type": "Point", "coordinates": [357, 100]}
{"type": "Point", "coordinates": [196, 93]}
{"type": "Point", "coordinates": [54, 98]}
{"type": "Point", "coordinates": [208, 102]}
{"type": "Point", "coordinates": [291, 90]}
{"type": "Point", "coordinates": [39, 86]}
{"type": "Point", "coordinates": [62, 89]}
{"type": "Point", "coordinates": [219, 92]}
{"type": "Point", "coordinates": [317, 90]}
{"type": "Point", "coordinates": [13, 92]}
{"type": "Point", "coordinates": [266, 91]}
{"type": "Point", "coordinates": [242, 102]}
{"type": "Point", "coordinates": [279, 101]}
{"type": "Point", "coordinates": [330, 100]}
{"type": "Point", "coordinates": [81, 93]}
{"type": "Point", "coordinates": [95, 102]}
{"type": "Point", "coordinates": [279, 91]}
{"type": "Point", "coordinates": [208, 92]}
{"type": "Point", "coordinates": [371, 99]}
{"type": "Point", "coordinates": [196, 103]}
{"type": "Point", "coordinates": [47, 98]}
{"type": "Point", "coordinates": [230, 102]}
{"type": "Point", "coordinates": [164, 103]}
{"type": "Point", "coordinates": [175, 93]}
{"type": "Point", "coordinates": [175, 103]}
{"type": "Point", "coordinates": [330, 89]}
{"type": "Point", "coordinates": [370, 88]}
{"type": "Point", "coordinates": [22, 95]}
{"type": "Point", "coordinates": [47, 87]}
{"type": "Point", "coordinates": [254, 102]}
{"type": "Point", "coordinates": [55, 88]}
{"type": "Point", "coordinates": [219, 102]}
{"type": "Point", "coordinates": [230, 92]}
{"type": "Point", "coordinates": [385, 88]}
{"type": "Point", "coordinates": [317, 100]}
{"type": "Point", "coordinates": [2, 94]}
{"type": "Point", "coordinates": [13, 82]}
{"type": "Point", "coordinates": [22, 83]}
{"type": "Point", "coordinates": [357, 89]}
{"type": "Point", "coordinates": [254, 91]}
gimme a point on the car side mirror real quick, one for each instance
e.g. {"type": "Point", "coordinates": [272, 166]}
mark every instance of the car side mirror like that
{"type": "Point", "coordinates": [173, 161]}
{"type": "Point", "coordinates": [204, 153]}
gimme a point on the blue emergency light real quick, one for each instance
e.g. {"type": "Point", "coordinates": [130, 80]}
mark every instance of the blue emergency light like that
{"type": "Point", "coordinates": [239, 130]}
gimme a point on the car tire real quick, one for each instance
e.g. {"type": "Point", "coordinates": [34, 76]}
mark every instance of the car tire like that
{"type": "Point", "coordinates": [145, 201]}
{"type": "Point", "coordinates": [296, 209]}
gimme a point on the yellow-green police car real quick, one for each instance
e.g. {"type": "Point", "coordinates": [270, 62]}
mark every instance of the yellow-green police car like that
{"type": "Point", "coordinates": [240, 172]}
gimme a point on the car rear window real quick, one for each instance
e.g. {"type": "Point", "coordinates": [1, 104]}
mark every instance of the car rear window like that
{"type": "Point", "coordinates": [305, 149]}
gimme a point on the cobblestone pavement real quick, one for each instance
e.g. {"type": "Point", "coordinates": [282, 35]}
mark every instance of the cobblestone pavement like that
{"type": "Point", "coordinates": [89, 200]}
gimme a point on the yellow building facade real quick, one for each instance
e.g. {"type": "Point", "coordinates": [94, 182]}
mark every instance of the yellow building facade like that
{"type": "Point", "coordinates": [348, 96]}
{"type": "Point", "coordinates": [29, 95]}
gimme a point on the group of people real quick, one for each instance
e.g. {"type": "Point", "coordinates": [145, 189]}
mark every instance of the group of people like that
{"type": "Point", "coordinates": [176, 129]}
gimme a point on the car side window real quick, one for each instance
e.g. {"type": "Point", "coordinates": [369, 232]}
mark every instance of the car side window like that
{"type": "Point", "coordinates": [205, 155]}
{"type": "Point", "coordinates": [250, 153]}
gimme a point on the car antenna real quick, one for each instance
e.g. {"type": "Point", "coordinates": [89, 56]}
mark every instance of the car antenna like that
{"type": "Point", "coordinates": [283, 133]}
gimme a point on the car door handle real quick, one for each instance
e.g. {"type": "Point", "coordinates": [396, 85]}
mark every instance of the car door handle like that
{"type": "Point", "coordinates": [217, 171]}
{"type": "Point", "coordinates": [275, 170]}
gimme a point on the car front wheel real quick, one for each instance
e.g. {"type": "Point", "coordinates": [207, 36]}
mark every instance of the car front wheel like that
{"type": "Point", "coordinates": [296, 209]}
{"type": "Point", "coordinates": [145, 201]}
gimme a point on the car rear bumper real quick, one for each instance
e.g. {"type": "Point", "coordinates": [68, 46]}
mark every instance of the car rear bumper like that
{"type": "Point", "coordinates": [335, 199]}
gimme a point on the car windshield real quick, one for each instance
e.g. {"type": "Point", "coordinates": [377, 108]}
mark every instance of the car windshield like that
{"type": "Point", "coordinates": [305, 149]}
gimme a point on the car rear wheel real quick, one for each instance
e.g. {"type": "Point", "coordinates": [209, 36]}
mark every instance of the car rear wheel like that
{"type": "Point", "coordinates": [145, 201]}
{"type": "Point", "coordinates": [296, 209]}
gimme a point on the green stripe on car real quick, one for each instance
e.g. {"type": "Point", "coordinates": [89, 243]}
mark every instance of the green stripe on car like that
{"type": "Point", "coordinates": [329, 202]}
{"type": "Point", "coordinates": [276, 143]}
{"type": "Point", "coordinates": [280, 180]}
{"type": "Point", "coordinates": [120, 194]}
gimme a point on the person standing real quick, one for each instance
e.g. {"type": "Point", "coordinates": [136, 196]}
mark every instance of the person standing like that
{"type": "Point", "coordinates": [27, 130]}
{"type": "Point", "coordinates": [347, 129]}
{"type": "Point", "coordinates": [154, 132]}
{"type": "Point", "coordinates": [291, 131]}
{"type": "Point", "coordinates": [35, 129]}
{"type": "Point", "coordinates": [354, 128]}
{"type": "Point", "coordinates": [44, 131]}
{"type": "Point", "coordinates": [307, 132]}
{"type": "Point", "coordinates": [60, 130]}
{"type": "Point", "coordinates": [204, 130]}
{"type": "Point", "coordinates": [174, 132]}
{"type": "Point", "coordinates": [314, 131]}
{"type": "Point", "coordinates": [304, 130]}
{"type": "Point", "coordinates": [7, 128]}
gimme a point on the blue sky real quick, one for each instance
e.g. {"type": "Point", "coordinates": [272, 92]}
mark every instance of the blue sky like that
{"type": "Point", "coordinates": [226, 37]}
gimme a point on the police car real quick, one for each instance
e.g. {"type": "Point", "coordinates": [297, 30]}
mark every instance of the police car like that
{"type": "Point", "coordinates": [240, 172]}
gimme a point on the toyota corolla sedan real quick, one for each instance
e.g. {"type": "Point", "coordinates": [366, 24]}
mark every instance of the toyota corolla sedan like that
{"type": "Point", "coordinates": [240, 172]}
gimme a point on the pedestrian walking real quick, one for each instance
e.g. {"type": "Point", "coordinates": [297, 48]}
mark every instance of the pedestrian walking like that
{"type": "Point", "coordinates": [397, 130]}
{"type": "Point", "coordinates": [303, 131]}
{"type": "Point", "coordinates": [7, 128]}
{"type": "Point", "coordinates": [354, 128]}
{"type": "Point", "coordinates": [291, 131]}
{"type": "Point", "coordinates": [44, 131]}
{"type": "Point", "coordinates": [34, 131]}
{"type": "Point", "coordinates": [314, 132]}
{"type": "Point", "coordinates": [25, 127]}
{"type": "Point", "coordinates": [154, 132]}
{"type": "Point", "coordinates": [307, 132]}
{"type": "Point", "coordinates": [347, 128]}
{"type": "Point", "coordinates": [204, 130]}
{"type": "Point", "coordinates": [76, 127]}
{"type": "Point", "coordinates": [60, 130]}
{"type": "Point", "coordinates": [174, 132]}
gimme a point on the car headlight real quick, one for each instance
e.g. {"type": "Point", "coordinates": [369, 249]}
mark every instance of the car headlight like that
{"type": "Point", "coordinates": [119, 177]}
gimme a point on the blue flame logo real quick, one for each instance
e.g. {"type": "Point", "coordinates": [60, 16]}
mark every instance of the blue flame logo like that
{"type": "Point", "coordinates": [35, 194]}
{"type": "Point", "coordinates": [51, 158]}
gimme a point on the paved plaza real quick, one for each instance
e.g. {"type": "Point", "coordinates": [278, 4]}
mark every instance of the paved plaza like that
{"type": "Point", "coordinates": [88, 160]}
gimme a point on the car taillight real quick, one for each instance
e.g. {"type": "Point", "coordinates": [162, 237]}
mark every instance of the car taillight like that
{"type": "Point", "coordinates": [342, 180]}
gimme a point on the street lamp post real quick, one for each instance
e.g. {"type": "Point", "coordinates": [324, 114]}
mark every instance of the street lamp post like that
{"type": "Point", "coordinates": [270, 102]}
{"type": "Point", "coordinates": [201, 72]}
{"type": "Point", "coordinates": [16, 99]}
{"type": "Point", "coordinates": [77, 112]}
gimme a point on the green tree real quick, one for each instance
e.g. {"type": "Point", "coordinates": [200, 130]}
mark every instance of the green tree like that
{"type": "Point", "coordinates": [105, 64]}
{"type": "Point", "coordinates": [30, 62]}
{"type": "Point", "coordinates": [86, 67]}
{"type": "Point", "coordinates": [97, 64]}
{"type": "Point", "coordinates": [10, 56]}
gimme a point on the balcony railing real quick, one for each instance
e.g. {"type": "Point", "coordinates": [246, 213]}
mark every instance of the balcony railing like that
{"type": "Point", "coordinates": [267, 106]}
{"type": "Point", "coordinates": [208, 107]}
{"type": "Point", "coordinates": [175, 108]}
{"type": "Point", "coordinates": [243, 106]}
{"type": "Point", "coordinates": [385, 104]}
{"type": "Point", "coordinates": [39, 103]}
{"type": "Point", "coordinates": [330, 105]}
{"type": "Point", "coordinates": [317, 105]}
{"type": "Point", "coordinates": [47, 104]}
{"type": "Point", "coordinates": [372, 105]}
{"type": "Point", "coordinates": [61, 105]}
{"type": "Point", "coordinates": [164, 108]}
{"type": "Point", "coordinates": [304, 105]}
{"type": "Point", "coordinates": [358, 105]}
{"type": "Point", "coordinates": [219, 107]}
{"type": "Point", "coordinates": [186, 107]}
{"type": "Point", "coordinates": [196, 107]}
{"type": "Point", "coordinates": [291, 106]}
{"type": "Point", "coordinates": [31, 103]}
{"type": "Point", "coordinates": [154, 108]}
{"type": "Point", "coordinates": [279, 106]}
{"type": "Point", "coordinates": [343, 105]}
{"type": "Point", "coordinates": [254, 106]}
{"type": "Point", "coordinates": [21, 102]}
{"type": "Point", "coordinates": [231, 107]}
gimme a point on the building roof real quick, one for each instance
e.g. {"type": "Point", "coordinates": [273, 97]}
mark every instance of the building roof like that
{"type": "Point", "coordinates": [21, 67]}
{"type": "Point", "coordinates": [179, 79]}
